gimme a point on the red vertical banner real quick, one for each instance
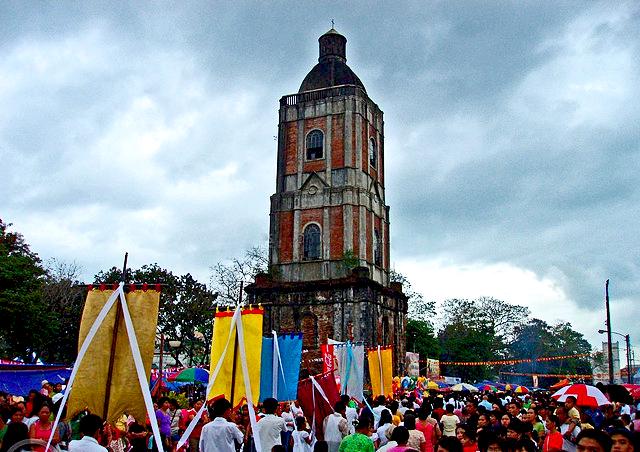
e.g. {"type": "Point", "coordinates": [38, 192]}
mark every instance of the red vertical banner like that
{"type": "Point", "coordinates": [328, 358]}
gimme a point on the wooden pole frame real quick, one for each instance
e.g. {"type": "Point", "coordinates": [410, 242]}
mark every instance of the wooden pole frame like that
{"type": "Point", "coordinates": [114, 339]}
{"type": "Point", "coordinates": [235, 348]}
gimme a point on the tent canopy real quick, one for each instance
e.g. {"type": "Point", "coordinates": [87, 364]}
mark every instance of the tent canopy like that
{"type": "Point", "coordinates": [19, 382]}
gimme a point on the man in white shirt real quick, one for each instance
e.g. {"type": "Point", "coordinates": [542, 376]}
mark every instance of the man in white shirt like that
{"type": "Point", "coordinates": [335, 427]}
{"type": "Point", "coordinates": [90, 426]}
{"type": "Point", "coordinates": [270, 426]}
{"type": "Point", "coordinates": [220, 435]}
{"type": "Point", "coordinates": [350, 413]}
{"type": "Point", "coordinates": [378, 408]}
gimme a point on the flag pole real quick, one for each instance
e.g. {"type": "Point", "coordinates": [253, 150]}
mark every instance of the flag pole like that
{"type": "Point", "coordinates": [235, 348]}
{"type": "Point", "coordinates": [114, 340]}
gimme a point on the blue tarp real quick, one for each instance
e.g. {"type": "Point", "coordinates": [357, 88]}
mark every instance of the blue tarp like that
{"type": "Point", "coordinates": [20, 382]}
{"type": "Point", "coordinates": [290, 346]}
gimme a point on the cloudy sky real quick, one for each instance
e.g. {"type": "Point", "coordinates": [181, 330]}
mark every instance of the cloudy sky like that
{"type": "Point", "coordinates": [512, 137]}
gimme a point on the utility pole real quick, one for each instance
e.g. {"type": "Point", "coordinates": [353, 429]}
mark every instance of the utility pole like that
{"type": "Point", "coordinates": [628, 340]}
{"type": "Point", "coordinates": [609, 347]}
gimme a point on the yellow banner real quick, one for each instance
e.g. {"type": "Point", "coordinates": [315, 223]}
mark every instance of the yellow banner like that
{"type": "Point", "coordinates": [381, 367]}
{"type": "Point", "coordinates": [90, 385]}
{"type": "Point", "coordinates": [229, 380]}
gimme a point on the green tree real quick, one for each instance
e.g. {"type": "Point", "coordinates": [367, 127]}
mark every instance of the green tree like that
{"type": "Point", "coordinates": [421, 339]}
{"type": "Point", "coordinates": [537, 339]}
{"type": "Point", "coordinates": [25, 320]}
{"type": "Point", "coordinates": [460, 341]}
{"type": "Point", "coordinates": [186, 309]}
{"type": "Point", "coordinates": [477, 330]}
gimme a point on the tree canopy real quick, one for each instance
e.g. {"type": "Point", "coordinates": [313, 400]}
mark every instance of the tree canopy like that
{"type": "Point", "coordinates": [186, 308]}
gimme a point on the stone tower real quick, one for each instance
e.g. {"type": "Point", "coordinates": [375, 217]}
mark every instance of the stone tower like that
{"type": "Point", "coordinates": [329, 224]}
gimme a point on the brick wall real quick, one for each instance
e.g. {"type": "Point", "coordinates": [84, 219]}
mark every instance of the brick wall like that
{"type": "Point", "coordinates": [356, 231]}
{"type": "Point", "coordinates": [291, 148]}
{"type": "Point", "coordinates": [337, 232]}
{"type": "Point", "coordinates": [286, 236]}
{"type": "Point", "coordinates": [337, 141]}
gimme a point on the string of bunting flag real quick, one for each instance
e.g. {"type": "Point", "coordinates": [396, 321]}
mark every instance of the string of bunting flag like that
{"type": "Point", "coordinates": [521, 374]}
{"type": "Point", "coordinates": [507, 362]}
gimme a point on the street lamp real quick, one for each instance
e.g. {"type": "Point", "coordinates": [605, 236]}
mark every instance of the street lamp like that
{"type": "Point", "coordinates": [628, 344]}
{"type": "Point", "coordinates": [173, 344]}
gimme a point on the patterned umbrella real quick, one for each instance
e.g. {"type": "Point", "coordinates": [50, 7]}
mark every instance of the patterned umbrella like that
{"type": "Point", "coordinates": [464, 387]}
{"type": "Point", "coordinates": [486, 387]}
{"type": "Point", "coordinates": [521, 390]}
{"type": "Point", "coordinates": [586, 395]}
{"type": "Point", "coordinates": [191, 374]}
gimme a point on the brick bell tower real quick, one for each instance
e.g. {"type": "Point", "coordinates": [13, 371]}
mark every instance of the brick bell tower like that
{"type": "Point", "coordinates": [329, 223]}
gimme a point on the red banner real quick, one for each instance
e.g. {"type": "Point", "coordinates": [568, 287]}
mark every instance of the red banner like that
{"type": "Point", "coordinates": [313, 402]}
{"type": "Point", "coordinates": [328, 359]}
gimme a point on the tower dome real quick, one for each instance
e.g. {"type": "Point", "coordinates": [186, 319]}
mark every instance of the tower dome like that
{"type": "Point", "coordinates": [332, 69]}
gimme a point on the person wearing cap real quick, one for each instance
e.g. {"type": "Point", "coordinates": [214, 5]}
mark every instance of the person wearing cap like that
{"type": "Point", "coordinates": [45, 388]}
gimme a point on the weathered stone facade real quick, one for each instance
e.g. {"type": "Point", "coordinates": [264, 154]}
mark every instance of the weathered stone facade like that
{"type": "Point", "coordinates": [328, 215]}
{"type": "Point", "coordinates": [353, 308]}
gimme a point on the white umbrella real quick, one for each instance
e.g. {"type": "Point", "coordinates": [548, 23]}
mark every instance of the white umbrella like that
{"type": "Point", "coordinates": [462, 387]}
{"type": "Point", "coordinates": [585, 395]}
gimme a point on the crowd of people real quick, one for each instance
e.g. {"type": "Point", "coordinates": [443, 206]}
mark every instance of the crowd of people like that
{"type": "Point", "coordinates": [460, 422]}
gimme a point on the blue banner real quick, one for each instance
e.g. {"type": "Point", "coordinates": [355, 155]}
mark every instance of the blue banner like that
{"type": "Point", "coordinates": [20, 382]}
{"type": "Point", "coordinates": [290, 348]}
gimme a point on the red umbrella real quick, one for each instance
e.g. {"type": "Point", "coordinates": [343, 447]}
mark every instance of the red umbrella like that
{"type": "Point", "coordinates": [634, 390]}
{"type": "Point", "coordinates": [586, 395]}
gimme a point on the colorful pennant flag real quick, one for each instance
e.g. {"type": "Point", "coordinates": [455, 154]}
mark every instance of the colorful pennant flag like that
{"type": "Point", "coordinates": [381, 370]}
{"type": "Point", "coordinates": [351, 367]}
{"type": "Point", "coordinates": [90, 385]}
{"type": "Point", "coordinates": [316, 396]}
{"type": "Point", "coordinates": [288, 355]}
{"type": "Point", "coordinates": [230, 381]}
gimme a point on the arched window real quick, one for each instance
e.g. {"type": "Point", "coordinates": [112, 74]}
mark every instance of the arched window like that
{"type": "Point", "coordinates": [377, 247]}
{"type": "Point", "coordinates": [312, 242]}
{"type": "Point", "coordinates": [373, 155]}
{"type": "Point", "coordinates": [315, 145]}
